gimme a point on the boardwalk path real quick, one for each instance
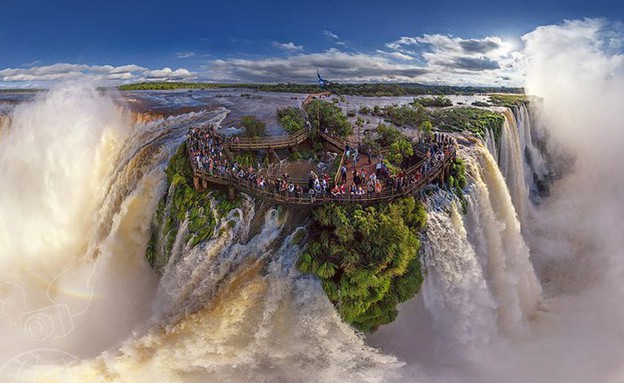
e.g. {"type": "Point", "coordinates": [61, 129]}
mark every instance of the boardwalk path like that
{"type": "Point", "coordinates": [415, 179]}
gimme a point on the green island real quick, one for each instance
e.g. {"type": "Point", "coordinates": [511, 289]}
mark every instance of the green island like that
{"type": "Point", "coordinates": [366, 256]}
{"type": "Point", "coordinates": [508, 100]}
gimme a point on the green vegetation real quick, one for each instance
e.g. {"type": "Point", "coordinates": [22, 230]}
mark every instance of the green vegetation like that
{"type": "Point", "coordinates": [412, 89]}
{"type": "Point", "coordinates": [253, 126]}
{"type": "Point", "coordinates": [387, 135]}
{"type": "Point", "coordinates": [481, 104]}
{"type": "Point", "coordinates": [508, 100]}
{"type": "Point", "coordinates": [365, 110]}
{"type": "Point", "coordinates": [245, 160]}
{"type": "Point", "coordinates": [400, 150]}
{"type": "Point", "coordinates": [383, 137]}
{"type": "Point", "coordinates": [367, 259]}
{"type": "Point", "coordinates": [185, 202]}
{"type": "Point", "coordinates": [457, 180]}
{"type": "Point", "coordinates": [405, 115]}
{"type": "Point", "coordinates": [438, 101]}
{"type": "Point", "coordinates": [475, 120]}
{"type": "Point", "coordinates": [323, 114]}
{"type": "Point", "coordinates": [426, 127]}
{"type": "Point", "coordinates": [292, 119]}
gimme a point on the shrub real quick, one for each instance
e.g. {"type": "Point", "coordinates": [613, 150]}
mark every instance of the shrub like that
{"type": "Point", "coordinates": [323, 115]}
{"type": "Point", "coordinates": [438, 101]}
{"type": "Point", "coordinates": [291, 118]}
{"type": "Point", "coordinates": [253, 126]}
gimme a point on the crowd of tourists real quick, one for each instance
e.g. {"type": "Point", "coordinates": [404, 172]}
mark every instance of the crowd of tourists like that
{"type": "Point", "coordinates": [208, 155]}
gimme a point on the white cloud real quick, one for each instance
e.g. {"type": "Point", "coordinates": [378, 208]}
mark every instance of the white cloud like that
{"type": "Point", "coordinates": [184, 55]}
{"type": "Point", "coordinates": [468, 57]}
{"type": "Point", "coordinates": [31, 63]}
{"type": "Point", "coordinates": [331, 35]}
{"type": "Point", "coordinates": [292, 47]}
{"type": "Point", "coordinates": [334, 38]}
{"type": "Point", "coordinates": [167, 73]}
{"type": "Point", "coordinates": [335, 65]}
{"type": "Point", "coordinates": [105, 74]}
{"type": "Point", "coordinates": [396, 55]}
{"type": "Point", "coordinates": [433, 59]}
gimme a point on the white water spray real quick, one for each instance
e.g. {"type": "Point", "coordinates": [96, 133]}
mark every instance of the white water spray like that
{"type": "Point", "coordinates": [227, 310]}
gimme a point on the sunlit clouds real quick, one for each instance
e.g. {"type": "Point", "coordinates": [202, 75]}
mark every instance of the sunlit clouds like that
{"type": "Point", "coordinates": [434, 59]}
{"type": "Point", "coordinates": [104, 74]}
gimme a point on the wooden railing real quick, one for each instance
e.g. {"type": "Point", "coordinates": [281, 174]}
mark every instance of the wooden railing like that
{"type": "Point", "coordinates": [274, 142]}
{"type": "Point", "coordinates": [249, 186]}
{"type": "Point", "coordinates": [334, 140]}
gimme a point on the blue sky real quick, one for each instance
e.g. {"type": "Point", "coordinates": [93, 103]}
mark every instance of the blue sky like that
{"type": "Point", "coordinates": [454, 42]}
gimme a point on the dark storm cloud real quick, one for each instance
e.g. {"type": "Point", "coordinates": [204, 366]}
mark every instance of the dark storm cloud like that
{"type": "Point", "coordinates": [478, 46]}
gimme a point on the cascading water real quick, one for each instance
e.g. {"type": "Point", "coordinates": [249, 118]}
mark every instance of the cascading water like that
{"type": "Point", "coordinates": [84, 184]}
{"type": "Point", "coordinates": [480, 280]}
{"type": "Point", "coordinates": [490, 143]}
{"type": "Point", "coordinates": [536, 169]}
{"type": "Point", "coordinates": [511, 164]}
{"type": "Point", "coordinates": [480, 286]}
{"type": "Point", "coordinates": [522, 163]}
{"type": "Point", "coordinates": [494, 232]}
{"type": "Point", "coordinates": [455, 291]}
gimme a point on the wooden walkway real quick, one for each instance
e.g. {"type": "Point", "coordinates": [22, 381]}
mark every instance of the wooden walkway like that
{"type": "Point", "coordinates": [273, 142]}
{"type": "Point", "coordinates": [314, 96]}
{"type": "Point", "coordinates": [437, 171]}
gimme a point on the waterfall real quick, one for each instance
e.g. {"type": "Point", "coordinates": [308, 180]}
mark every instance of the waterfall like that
{"type": "Point", "coordinates": [536, 168]}
{"type": "Point", "coordinates": [490, 143]}
{"type": "Point", "coordinates": [237, 312]}
{"type": "Point", "coordinates": [83, 182]}
{"type": "Point", "coordinates": [511, 163]}
{"type": "Point", "coordinates": [455, 291]}
{"type": "Point", "coordinates": [522, 163]}
{"type": "Point", "coordinates": [494, 232]}
{"type": "Point", "coordinates": [480, 281]}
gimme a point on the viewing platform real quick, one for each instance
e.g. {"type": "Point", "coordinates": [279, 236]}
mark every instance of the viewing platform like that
{"type": "Point", "coordinates": [216, 166]}
{"type": "Point", "coordinates": [203, 178]}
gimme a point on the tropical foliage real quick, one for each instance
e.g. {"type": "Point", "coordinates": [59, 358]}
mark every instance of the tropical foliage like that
{"type": "Point", "coordinates": [474, 120]}
{"type": "Point", "coordinates": [292, 119]}
{"type": "Point", "coordinates": [508, 100]}
{"type": "Point", "coordinates": [325, 115]}
{"type": "Point", "coordinates": [400, 150]}
{"type": "Point", "coordinates": [367, 258]}
{"type": "Point", "coordinates": [182, 202]}
{"type": "Point", "coordinates": [457, 181]}
{"type": "Point", "coordinates": [341, 89]}
{"type": "Point", "coordinates": [438, 101]}
{"type": "Point", "coordinates": [405, 115]}
{"type": "Point", "coordinates": [253, 127]}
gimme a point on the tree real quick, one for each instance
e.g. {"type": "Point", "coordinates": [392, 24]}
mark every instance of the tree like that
{"type": "Point", "coordinates": [253, 126]}
{"type": "Point", "coordinates": [326, 115]}
{"type": "Point", "coordinates": [292, 119]}
{"type": "Point", "coordinates": [387, 135]}
{"type": "Point", "coordinates": [426, 127]}
{"type": "Point", "coordinates": [290, 125]}
{"type": "Point", "coordinates": [400, 150]}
